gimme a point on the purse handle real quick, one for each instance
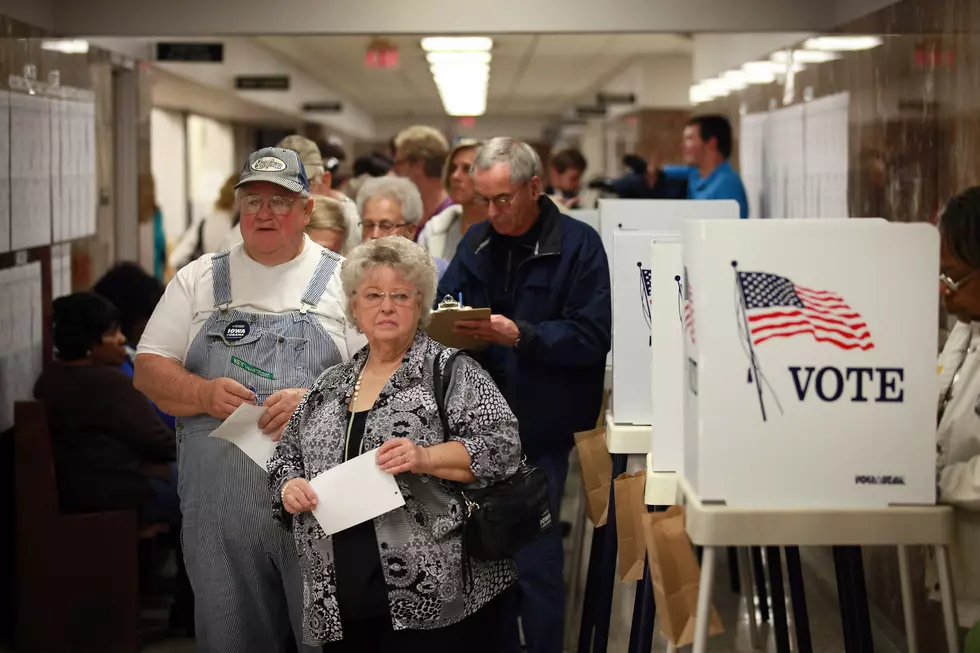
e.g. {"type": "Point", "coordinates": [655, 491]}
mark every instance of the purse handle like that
{"type": "Point", "coordinates": [440, 384]}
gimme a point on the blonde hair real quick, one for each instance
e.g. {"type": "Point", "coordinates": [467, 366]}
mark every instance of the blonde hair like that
{"type": "Point", "coordinates": [328, 213]}
{"type": "Point", "coordinates": [228, 196]}
{"type": "Point", "coordinates": [426, 144]}
{"type": "Point", "coordinates": [447, 169]}
{"type": "Point", "coordinates": [309, 154]}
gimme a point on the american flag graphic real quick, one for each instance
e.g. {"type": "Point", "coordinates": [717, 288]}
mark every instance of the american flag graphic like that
{"type": "Point", "coordinates": [688, 308]}
{"type": "Point", "coordinates": [645, 290]}
{"type": "Point", "coordinates": [775, 307]}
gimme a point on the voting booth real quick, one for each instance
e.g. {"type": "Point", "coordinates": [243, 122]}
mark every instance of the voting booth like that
{"type": "Point", "coordinates": [667, 354]}
{"type": "Point", "coordinates": [627, 228]}
{"type": "Point", "coordinates": [810, 362]}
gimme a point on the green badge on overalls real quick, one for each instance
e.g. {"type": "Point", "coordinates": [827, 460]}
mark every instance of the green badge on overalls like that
{"type": "Point", "coordinates": [251, 368]}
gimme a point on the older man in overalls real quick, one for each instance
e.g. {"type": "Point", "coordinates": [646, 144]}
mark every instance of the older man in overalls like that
{"type": "Point", "coordinates": [254, 324]}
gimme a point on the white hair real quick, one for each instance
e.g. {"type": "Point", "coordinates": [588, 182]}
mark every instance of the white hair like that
{"type": "Point", "coordinates": [398, 253]}
{"type": "Point", "coordinates": [524, 162]}
{"type": "Point", "coordinates": [397, 189]}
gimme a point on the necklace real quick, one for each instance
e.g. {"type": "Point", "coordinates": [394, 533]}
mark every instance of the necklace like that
{"type": "Point", "coordinates": [350, 422]}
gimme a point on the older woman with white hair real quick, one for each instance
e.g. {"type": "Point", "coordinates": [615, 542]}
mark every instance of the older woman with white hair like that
{"type": "Point", "coordinates": [392, 206]}
{"type": "Point", "coordinates": [396, 582]}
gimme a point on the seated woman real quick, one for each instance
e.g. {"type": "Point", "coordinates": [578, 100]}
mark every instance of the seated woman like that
{"type": "Point", "coordinates": [328, 227]}
{"type": "Point", "coordinates": [395, 583]}
{"type": "Point", "coordinates": [958, 465]}
{"type": "Point", "coordinates": [111, 450]}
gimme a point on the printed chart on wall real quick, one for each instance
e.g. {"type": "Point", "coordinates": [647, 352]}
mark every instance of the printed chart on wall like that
{"type": "Point", "coordinates": [21, 337]}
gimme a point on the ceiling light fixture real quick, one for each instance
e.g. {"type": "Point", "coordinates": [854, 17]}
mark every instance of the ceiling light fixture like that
{"type": "Point", "coordinates": [698, 94]}
{"type": "Point", "coordinates": [804, 56]}
{"type": "Point", "coordinates": [843, 43]}
{"type": "Point", "coordinates": [65, 46]}
{"type": "Point", "coordinates": [457, 44]}
{"type": "Point", "coordinates": [759, 72]}
{"type": "Point", "coordinates": [735, 80]}
{"type": "Point", "coordinates": [461, 71]}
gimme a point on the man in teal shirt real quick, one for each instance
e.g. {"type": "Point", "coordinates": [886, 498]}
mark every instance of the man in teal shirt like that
{"type": "Point", "coordinates": [709, 175]}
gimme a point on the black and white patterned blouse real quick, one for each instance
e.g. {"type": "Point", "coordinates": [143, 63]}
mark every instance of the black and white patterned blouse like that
{"type": "Point", "coordinates": [420, 544]}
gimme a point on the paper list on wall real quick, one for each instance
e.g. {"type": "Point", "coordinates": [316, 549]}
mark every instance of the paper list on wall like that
{"type": "Point", "coordinates": [60, 270]}
{"type": "Point", "coordinates": [4, 171]}
{"type": "Point", "coordinates": [91, 194]}
{"type": "Point", "coordinates": [30, 171]}
{"type": "Point", "coordinates": [21, 330]}
{"type": "Point", "coordinates": [58, 231]}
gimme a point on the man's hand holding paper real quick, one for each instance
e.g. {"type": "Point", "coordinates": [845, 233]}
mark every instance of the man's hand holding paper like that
{"type": "Point", "coordinates": [498, 329]}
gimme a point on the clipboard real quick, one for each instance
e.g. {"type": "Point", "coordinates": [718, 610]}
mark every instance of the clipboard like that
{"type": "Point", "coordinates": [446, 316]}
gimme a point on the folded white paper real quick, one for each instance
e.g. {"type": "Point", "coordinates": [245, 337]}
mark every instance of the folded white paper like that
{"type": "Point", "coordinates": [242, 430]}
{"type": "Point", "coordinates": [354, 492]}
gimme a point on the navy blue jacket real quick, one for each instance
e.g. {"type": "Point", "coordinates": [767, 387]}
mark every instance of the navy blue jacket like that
{"type": "Point", "coordinates": [553, 379]}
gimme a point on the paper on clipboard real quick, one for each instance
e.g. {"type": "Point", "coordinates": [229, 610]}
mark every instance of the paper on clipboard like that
{"type": "Point", "coordinates": [242, 430]}
{"type": "Point", "coordinates": [440, 328]}
{"type": "Point", "coordinates": [377, 493]}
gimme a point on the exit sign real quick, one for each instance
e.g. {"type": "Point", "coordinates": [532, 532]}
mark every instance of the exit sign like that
{"type": "Point", "coordinates": [381, 54]}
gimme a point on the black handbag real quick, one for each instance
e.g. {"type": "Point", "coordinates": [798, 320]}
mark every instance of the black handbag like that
{"type": "Point", "coordinates": [503, 518]}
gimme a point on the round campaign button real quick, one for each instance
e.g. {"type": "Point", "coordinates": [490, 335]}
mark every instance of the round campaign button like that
{"type": "Point", "coordinates": [236, 330]}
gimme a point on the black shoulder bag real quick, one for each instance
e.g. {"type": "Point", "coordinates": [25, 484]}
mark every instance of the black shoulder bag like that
{"type": "Point", "coordinates": [503, 518]}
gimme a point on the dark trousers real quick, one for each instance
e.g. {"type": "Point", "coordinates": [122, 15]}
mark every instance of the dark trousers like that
{"type": "Point", "coordinates": [541, 599]}
{"type": "Point", "coordinates": [478, 633]}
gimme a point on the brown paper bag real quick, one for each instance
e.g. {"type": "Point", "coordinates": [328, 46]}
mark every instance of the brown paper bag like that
{"type": "Point", "coordinates": [675, 575]}
{"type": "Point", "coordinates": [630, 508]}
{"type": "Point", "coordinates": [593, 456]}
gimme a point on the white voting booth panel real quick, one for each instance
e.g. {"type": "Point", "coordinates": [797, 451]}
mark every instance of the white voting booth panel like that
{"type": "Point", "coordinates": [810, 362]}
{"type": "Point", "coordinates": [588, 216]}
{"type": "Point", "coordinates": [667, 353]}
{"type": "Point", "coordinates": [627, 228]}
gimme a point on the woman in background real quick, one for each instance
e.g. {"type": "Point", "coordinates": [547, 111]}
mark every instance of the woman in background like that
{"type": "Point", "coordinates": [209, 234]}
{"type": "Point", "coordinates": [327, 226]}
{"type": "Point", "coordinates": [442, 234]}
{"type": "Point", "coordinates": [958, 436]}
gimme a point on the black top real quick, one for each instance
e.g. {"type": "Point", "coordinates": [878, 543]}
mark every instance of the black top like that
{"type": "Point", "coordinates": [361, 589]}
{"type": "Point", "coordinates": [104, 436]}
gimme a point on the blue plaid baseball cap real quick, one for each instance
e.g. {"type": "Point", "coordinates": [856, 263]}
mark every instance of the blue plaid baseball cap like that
{"type": "Point", "coordinates": [276, 166]}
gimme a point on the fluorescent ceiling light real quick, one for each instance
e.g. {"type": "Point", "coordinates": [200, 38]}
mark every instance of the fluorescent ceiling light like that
{"type": "Point", "coordinates": [716, 86]}
{"type": "Point", "coordinates": [804, 56]}
{"type": "Point", "coordinates": [699, 94]}
{"type": "Point", "coordinates": [735, 80]}
{"type": "Point", "coordinates": [65, 46]}
{"type": "Point", "coordinates": [457, 44]}
{"type": "Point", "coordinates": [461, 72]}
{"type": "Point", "coordinates": [458, 57]}
{"type": "Point", "coordinates": [759, 72]}
{"type": "Point", "coordinates": [843, 43]}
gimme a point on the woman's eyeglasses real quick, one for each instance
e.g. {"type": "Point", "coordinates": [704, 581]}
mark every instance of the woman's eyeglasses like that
{"type": "Point", "coordinates": [372, 299]}
{"type": "Point", "coordinates": [279, 206]}
{"type": "Point", "coordinates": [382, 227]}
{"type": "Point", "coordinates": [953, 286]}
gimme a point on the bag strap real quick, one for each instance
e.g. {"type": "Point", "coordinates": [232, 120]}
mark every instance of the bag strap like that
{"type": "Point", "coordinates": [440, 384]}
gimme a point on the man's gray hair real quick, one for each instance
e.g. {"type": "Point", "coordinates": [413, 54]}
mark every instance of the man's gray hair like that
{"type": "Point", "coordinates": [398, 253]}
{"type": "Point", "coordinates": [524, 162]}
{"type": "Point", "coordinates": [396, 189]}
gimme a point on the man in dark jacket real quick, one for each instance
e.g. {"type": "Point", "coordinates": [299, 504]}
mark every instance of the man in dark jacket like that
{"type": "Point", "coordinates": [545, 278]}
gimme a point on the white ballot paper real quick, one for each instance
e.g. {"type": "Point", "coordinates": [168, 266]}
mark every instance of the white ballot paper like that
{"type": "Point", "coordinates": [242, 430]}
{"type": "Point", "coordinates": [354, 492]}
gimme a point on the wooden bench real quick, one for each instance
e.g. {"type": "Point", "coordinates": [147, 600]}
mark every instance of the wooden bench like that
{"type": "Point", "coordinates": [76, 574]}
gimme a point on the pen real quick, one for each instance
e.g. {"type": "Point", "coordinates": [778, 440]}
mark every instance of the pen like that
{"type": "Point", "coordinates": [461, 299]}
{"type": "Point", "coordinates": [252, 388]}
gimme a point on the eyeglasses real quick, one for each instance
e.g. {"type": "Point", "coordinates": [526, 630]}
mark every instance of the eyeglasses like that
{"type": "Point", "coordinates": [279, 206]}
{"type": "Point", "coordinates": [502, 202]}
{"type": "Point", "coordinates": [383, 227]}
{"type": "Point", "coordinates": [372, 299]}
{"type": "Point", "coordinates": [953, 286]}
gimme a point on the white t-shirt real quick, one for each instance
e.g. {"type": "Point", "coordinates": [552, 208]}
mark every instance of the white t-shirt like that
{"type": "Point", "coordinates": [255, 288]}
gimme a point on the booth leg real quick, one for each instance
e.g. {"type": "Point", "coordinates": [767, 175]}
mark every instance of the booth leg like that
{"type": "Point", "coordinates": [759, 571]}
{"type": "Point", "coordinates": [644, 615]}
{"type": "Point", "coordinates": [702, 619]}
{"type": "Point", "coordinates": [949, 600]}
{"type": "Point", "coordinates": [606, 580]}
{"type": "Point", "coordinates": [774, 561]}
{"type": "Point", "coordinates": [908, 606]}
{"type": "Point", "coordinates": [745, 571]}
{"type": "Point", "coordinates": [797, 594]}
{"type": "Point", "coordinates": [587, 627]}
{"type": "Point", "coordinates": [734, 580]}
{"type": "Point", "coordinates": [853, 595]}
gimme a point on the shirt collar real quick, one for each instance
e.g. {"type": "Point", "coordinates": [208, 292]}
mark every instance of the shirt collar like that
{"type": "Point", "coordinates": [724, 169]}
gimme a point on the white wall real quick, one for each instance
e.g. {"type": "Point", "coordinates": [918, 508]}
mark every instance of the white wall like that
{"type": "Point", "coordinates": [659, 82]}
{"type": "Point", "coordinates": [211, 156]}
{"type": "Point", "coordinates": [168, 162]}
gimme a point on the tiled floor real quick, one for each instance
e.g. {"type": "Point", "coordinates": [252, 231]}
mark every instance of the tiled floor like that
{"type": "Point", "coordinates": [821, 601]}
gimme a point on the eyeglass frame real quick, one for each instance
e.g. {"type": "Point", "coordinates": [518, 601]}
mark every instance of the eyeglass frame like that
{"type": "Point", "coordinates": [955, 286]}
{"type": "Point", "coordinates": [370, 303]}
{"type": "Point", "coordinates": [502, 203]}
{"type": "Point", "coordinates": [266, 201]}
{"type": "Point", "coordinates": [377, 225]}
